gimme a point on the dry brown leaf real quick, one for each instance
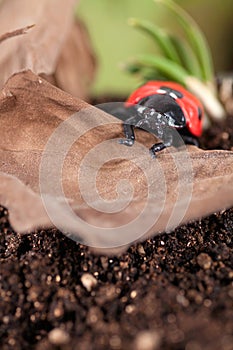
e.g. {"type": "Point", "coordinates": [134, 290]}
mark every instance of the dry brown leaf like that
{"type": "Point", "coordinates": [55, 48]}
{"type": "Point", "coordinates": [39, 125]}
{"type": "Point", "coordinates": [76, 66]}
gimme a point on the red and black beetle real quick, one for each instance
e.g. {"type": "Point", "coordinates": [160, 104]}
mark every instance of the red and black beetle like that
{"type": "Point", "coordinates": [161, 107]}
{"type": "Point", "coordinates": [190, 106]}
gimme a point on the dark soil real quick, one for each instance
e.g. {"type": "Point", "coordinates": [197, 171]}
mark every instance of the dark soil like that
{"type": "Point", "coordinates": [171, 292]}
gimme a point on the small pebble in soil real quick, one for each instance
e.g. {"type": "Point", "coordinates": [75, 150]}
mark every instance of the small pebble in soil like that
{"type": "Point", "coordinates": [115, 342]}
{"type": "Point", "coordinates": [141, 250]}
{"type": "Point", "coordinates": [88, 281]}
{"type": "Point", "coordinates": [204, 261]}
{"type": "Point", "coordinates": [58, 337]}
{"type": "Point", "coordinates": [133, 294]}
{"type": "Point", "coordinates": [147, 340]}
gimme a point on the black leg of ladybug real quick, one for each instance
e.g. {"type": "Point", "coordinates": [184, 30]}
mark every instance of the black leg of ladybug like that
{"type": "Point", "coordinates": [128, 126]}
{"type": "Point", "coordinates": [157, 147]}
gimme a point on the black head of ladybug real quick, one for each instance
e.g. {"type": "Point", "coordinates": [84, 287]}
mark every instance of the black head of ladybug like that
{"type": "Point", "coordinates": [167, 106]}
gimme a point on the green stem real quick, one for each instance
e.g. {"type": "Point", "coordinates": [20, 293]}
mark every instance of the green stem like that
{"type": "Point", "coordinates": [164, 66]}
{"type": "Point", "coordinates": [196, 38]}
{"type": "Point", "coordinates": [161, 38]}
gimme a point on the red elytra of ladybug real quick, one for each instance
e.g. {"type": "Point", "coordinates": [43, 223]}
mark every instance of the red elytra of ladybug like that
{"type": "Point", "coordinates": [190, 105]}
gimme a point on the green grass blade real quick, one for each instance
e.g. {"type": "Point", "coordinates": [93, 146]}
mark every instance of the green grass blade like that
{"type": "Point", "coordinates": [160, 37]}
{"type": "Point", "coordinates": [187, 57]}
{"type": "Point", "coordinates": [145, 73]}
{"type": "Point", "coordinates": [148, 73]}
{"type": "Point", "coordinates": [196, 39]}
{"type": "Point", "coordinates": [165, 67]}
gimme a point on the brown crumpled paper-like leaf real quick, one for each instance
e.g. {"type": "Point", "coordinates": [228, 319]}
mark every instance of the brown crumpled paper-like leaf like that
{"type": "Point", "coordinates": [76, 65]}
{"type": "Point", "coordinates": [56, 47]}
{"type": "Point", "coordinates": [118, 194]}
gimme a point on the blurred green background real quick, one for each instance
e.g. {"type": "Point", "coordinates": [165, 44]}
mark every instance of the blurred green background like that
{"type": "Point", "coordinates": [114, 41]}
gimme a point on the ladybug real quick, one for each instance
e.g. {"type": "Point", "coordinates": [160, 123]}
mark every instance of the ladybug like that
{"type": "Point", "coordinates": [161, 108]}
